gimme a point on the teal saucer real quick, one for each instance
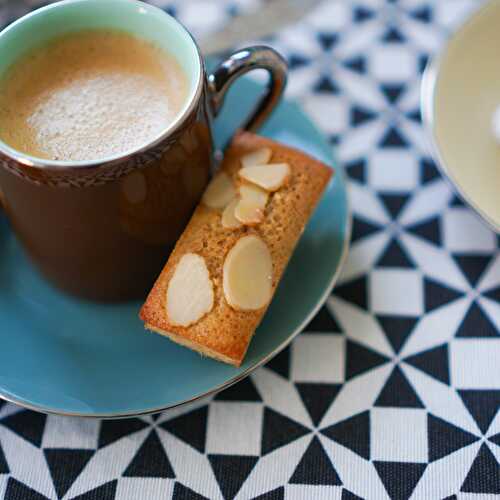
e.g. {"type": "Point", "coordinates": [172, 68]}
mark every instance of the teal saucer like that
{"type": "Point", "coordinates": [66, 356]}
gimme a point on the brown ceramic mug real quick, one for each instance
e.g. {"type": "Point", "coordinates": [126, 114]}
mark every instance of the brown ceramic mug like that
{"type": "Point", "coordinates": [102, 229]}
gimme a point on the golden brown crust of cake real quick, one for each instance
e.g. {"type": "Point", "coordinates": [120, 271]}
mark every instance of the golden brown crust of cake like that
{"type": "Point", "coordinates": [224, 333]}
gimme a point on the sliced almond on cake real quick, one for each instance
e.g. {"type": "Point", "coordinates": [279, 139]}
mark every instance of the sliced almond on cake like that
{"type": "Point", "coordinates": [228, 219]}
{"type": "Point", "coordinates": [269, 177]}
{"type": "Point", "coordinates": [258, 157]}
{"type": "Point", "coordinates": [190, 292]}
{"type": "Point", "coordinates": [251, 205]}
{"type": "Point", "coordinates": [219, 192]}
{"type": "Point", "coordinates": [248, 274]}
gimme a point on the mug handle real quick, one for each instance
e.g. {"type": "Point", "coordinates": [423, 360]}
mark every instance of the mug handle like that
{"type": "Point", "coordinates": [241, 62]}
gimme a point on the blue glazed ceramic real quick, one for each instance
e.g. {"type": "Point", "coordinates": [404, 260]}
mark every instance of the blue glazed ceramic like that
{"type": "Point", "coordinates": [67, 356]}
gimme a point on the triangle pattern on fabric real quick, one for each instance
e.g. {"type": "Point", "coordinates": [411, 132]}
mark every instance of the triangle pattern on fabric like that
{"type": "Point", "coordinates": [354, 291]}
{"type": "Point", "coordinates": [423, 59]}
{"type": "Point", "coordinates": [334, 139]}
{"type": "Point", "coordinates": [361, 14]}
{"type": "Point", "coordinates": [277, 494]}
{"type": "Point", "coordinates": [397, 329]}
{"type": "Point", "coordinates": [280, 364]}
{"type": "Point", "coordinates": [495, 439]}
{"type": "Point", "coordinates": [472, 266]}
{"type": "Point", "coordinates": [27, 424]}
{"type": "Point", "coordinates": [398, 392]}
{"type": "Point", "coordinates": [356, 170]}
{"type": "Point", "coordinates": [407, 474]}
{"type": "Point", "coordinates": [438, 295]}
{"type": "Point", "coordinates": [393, 92]}
{"type": "Point", "coordinates": [483, 405]}
{"type": "Point", "coordinates": [323, 322]}
{"type": "Point", "coordinates": [493, 294]}
{"type": "Point", "coordinates": [414, 116]}
{"type": "Point", "coordinates": [150, 460]}
{"type": "Point", "coordinates": [357, 64]}
{"type": "Point", "coordinates": [19, 491]}
{"type": "Point", "coordinates": [360, 359]}
{"type": "Point", "coordinates": [394, 256]}
{"type": "Point", "coordinates": [393, 139]}
{"type": "Point", "coordinates": [171, 10]}
{"type": "Point", "coordinates": [444, 438]}
{"type": "Point", "coordinates": [353, 433]}
{"type": "Point", "coordinates": [113, 430]}
{"type": "Point", "coordinates": [347, 495]}
{"type": "Point", "coordinates": [279, 430]}
{"type": "Point", "coordinates": [317, 398]}
{"type": "Point", "coordinates": [328, 39]}
{"type": "Point", "coordinates": [106, 491]}
{"type": "Point", "coordinates": [429, 230]}
{"type": "Point", "coordinates": [327, 85]}
{"type": "Point", "coordinates": [190, 427]}
{"type": "Point", "coordinates": [360, 116]}
{"type": "Point", "coordinates": [423, 14]}
{"type": "Point", "coordinates": [65, 465]}
{"type": "Point", "coordinates": [296, 61]}
{"type": "Point", "coordinates": [4, 466]}
{"type": "Point", "coordinates": [315, 467]}
{"type": "Point", "coordinates": [361, 228]}
{"type": "Point", "coordinates": [394, 203]}
{"type": "Point", "coordinates": [428, 170]}
{"type": "Point", "coordinates": [456, 201]}
{"type": "Point", "coordinates": [231, 471]}
{"type": "Point", "coordinates": [182, 492]}
{"type": "Point", "coordinates": [434, 362]}
{"type": "Point", "coordinates": [484, 474]}
{"type": "Point", "coordinates": [242, 391]}
{"type": "Point", "coordinates": [393, 35]}
{"type": "Point", "coordinates": [476, 324]}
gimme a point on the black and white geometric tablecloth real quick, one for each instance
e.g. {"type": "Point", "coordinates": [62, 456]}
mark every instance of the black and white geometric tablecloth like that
{"type": "Point", "coordinates": [393, 390]}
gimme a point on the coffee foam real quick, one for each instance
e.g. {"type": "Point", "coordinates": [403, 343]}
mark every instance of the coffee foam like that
{"type": "Point", "coordinates": [90, 95]}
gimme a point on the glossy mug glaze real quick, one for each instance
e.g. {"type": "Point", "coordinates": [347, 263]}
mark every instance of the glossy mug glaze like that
{"type": "Point", "coordinates": [103, 229]}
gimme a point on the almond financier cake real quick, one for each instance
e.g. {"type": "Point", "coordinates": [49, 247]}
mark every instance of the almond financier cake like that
{"type": "Point", "coordinates": [219, 280]}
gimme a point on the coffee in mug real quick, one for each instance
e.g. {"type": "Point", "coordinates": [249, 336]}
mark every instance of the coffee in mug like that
{"type": "Point", "coordinates": [90, 95]}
